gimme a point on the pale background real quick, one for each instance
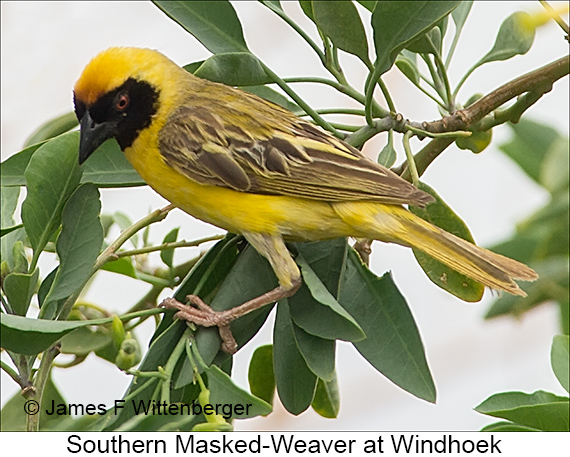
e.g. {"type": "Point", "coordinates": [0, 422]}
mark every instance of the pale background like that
{"type": "Point", "coordinates": [45, 45]}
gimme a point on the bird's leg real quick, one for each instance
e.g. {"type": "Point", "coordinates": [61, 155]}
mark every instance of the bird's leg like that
{"type": "Point", "coordinates": [274, 250]}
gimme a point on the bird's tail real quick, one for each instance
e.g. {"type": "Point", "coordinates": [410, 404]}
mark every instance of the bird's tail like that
{"type": "Point", "coordinates": [395, 224]}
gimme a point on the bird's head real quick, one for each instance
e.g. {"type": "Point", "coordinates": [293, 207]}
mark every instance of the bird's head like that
{"type": "Point", "coordinates": [117, 95]}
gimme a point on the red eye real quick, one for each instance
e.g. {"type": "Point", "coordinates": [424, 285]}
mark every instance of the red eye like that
{"type": "Point", "coordinates": [122, 102]}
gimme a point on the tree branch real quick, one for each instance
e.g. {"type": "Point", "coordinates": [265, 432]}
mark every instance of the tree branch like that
{"type": "Point", "coordinates": [537, 83]}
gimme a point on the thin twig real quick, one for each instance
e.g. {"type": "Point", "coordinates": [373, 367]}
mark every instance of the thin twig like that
{"type": "Point", "coordinates": [556, 17]}
{"type": "Point", "coordinates": [110, 252]}
{"type": "Point", "coordinates": [538, 81]}
{"type": "Point", "coordinates": [162, 247]}
{"type": "Point", "coordinates": [410, 159]}
{"type": "Point", "coordinates": [299, 101]}
{"type": "Point", "coordinates": [541, 78]}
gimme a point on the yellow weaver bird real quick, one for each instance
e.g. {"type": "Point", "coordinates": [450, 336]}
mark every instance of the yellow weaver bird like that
{"type": "Point", "coordinates": [239, 162]}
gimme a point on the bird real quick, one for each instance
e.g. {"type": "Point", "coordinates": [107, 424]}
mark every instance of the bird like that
{"type": "Point", "coordinates": [251, 167]}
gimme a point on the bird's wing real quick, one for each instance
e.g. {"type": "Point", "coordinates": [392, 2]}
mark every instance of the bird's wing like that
{"type": "Point", "coordinates": [290, 157]}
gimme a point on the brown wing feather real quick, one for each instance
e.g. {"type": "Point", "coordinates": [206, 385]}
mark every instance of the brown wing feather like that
{"type": "Point", "coordinates": [293, 158]}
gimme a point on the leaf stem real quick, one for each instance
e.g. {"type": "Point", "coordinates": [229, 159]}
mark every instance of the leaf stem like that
{"type": "Point", "coordinates": [452, 47]}
{"type": "Point", "coordinates": [443, 74]}
{"type": "Point", "coordinates": [363, 134]}
{"type": "Point", "coordinates": [410, 158]}
{"type": "Point", "coordinates": [111, 251]}
{"type": "Point", "coordinates": [437, 83]}
{"type": "Point", "coordinates": [299, 30]}
{"type": "Point", "coordinates": [12, 373]}
{"type": "Point", "coordinates": [462, 81]}
{"type": "Point", "coordinates": [37, 392]}
{"type": "Point", "coordinates": [555, 16]}
{"type": "Point", "coordinates": [378, 111]}
{"type": "Point", "coordinates": [453, 134]}
{"type": "Point", "coordinates": [171, 364]}
{"type": "Point", "coordinates": [163, 246]}
{"type": "Point", "coordinates": [310, 111]}
{"type": "Point", "coordinates": [387, 96]}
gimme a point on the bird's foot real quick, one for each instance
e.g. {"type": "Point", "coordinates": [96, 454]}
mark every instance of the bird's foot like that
{"type": "Point", "coordinates": [204, 315]}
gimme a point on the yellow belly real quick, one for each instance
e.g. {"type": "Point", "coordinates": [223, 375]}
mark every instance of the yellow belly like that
{"type": "Point", "coordinates": [238, 212]}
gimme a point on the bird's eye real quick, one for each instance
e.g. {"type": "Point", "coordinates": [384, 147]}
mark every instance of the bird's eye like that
{"type": "Point", "coordinates": [122, 102]}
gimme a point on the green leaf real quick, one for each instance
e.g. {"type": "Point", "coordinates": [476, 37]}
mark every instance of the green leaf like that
{"type": "Point", "coordinates": [124, 222]}
{"type": "Point", "coordinates": [398, 23]}
{"type": "Point", "coordinates": [9, 241]}
{"type": "Point", "coordinates": [233, 69]}
{"type": "Point", "coordinates": [428, 43]}
{"type": "Point", "coordinates": [327, 259]}
{"type": "Point", "coordinates": [540, 410]}
{"type": "Point", "coordinates": [214, 24]}
{"type": "Point", "coordinates": [46, 285]}
{"type": "Point", "coordinates": [406, 63]}
{"type": "Point", "coordinates": [340, 21]}
{"type": "Point", "coordinates": [272, 4]}
{"type": "Point", "coordinates": [32, 336]}
{"type": "Point", "coordinates": [504, 426]}
{"type": "Point", "coordinates": [167, 255]}
{"type": "Point", "coordinates": [211, 269]}
{"type": "Point", "coordinates": [564, 306]}
{"type": "Point", "coordinates": [9, 202]}
{"type": "Point", "coordinates": [295, 381]}
{"type": "Point", "coordinates": [307, 7]}
{"type": "Point", "coordinates": [387, 156]}
{"type": "Point", "coordinates": [141, 389]}
{"type": "Point", "coordinates": [83, 340]}
{"type": "Point", "coordinates": [393, 345]}
{"type": "Point", "coordinates": [13, 168]}
{"type": "Point", "coordinates": [315, 310]}
{"type": "Point", "coordinates": [442, 26]}
{"type": "Point", "coordinates": [250, 277]}
{"type": "Point", "coordinates": [441, 215]}
{"type": "Point", "coordinates": [19, 258]}
{"type": "Point", "coordinates": [515, 37]}
{"type": "Point", "coordinates": [13, 412]}
{"type": "Point", "coordinates": [559, 358]}
{"type": "Point", "coordinates": [554, 175]}
{"type": "Point", "coordinates": [477, 142]}
{"type": "Point", "coordinates": [7, 230]}
{"type": "Point", "coordinates": [459, 15]}
{"type": "Point", "coordinates": [123, 266]}
{"type": "Point", "coordinates": [52, 128]}
{"type": "Point", "coordinates": [129, 353]}
{"type": "Point", "coordinates": [78, 245]}
{"type": "Point", "coordinates": [108, 167]}
{"type": "Point", "coordinates": [224, 391]}
{"type": "Point", "coordinates": [327, 401]}
{"type": "Point", "coordinates": [530, 146]}
{"type": "Point", "coordinates": [202, 280]}
{"type": "Point", "coordinates": [260, 374]}
{"type": "Point", "coordinates": [19, 289]}
{"type": "Point", "coordinates": [52, 176]}
{"type": "Point", "coordinates": [368, 4]}
{"type": "Point", "coordinates": [193, 66]}
{"type": "Point", "coordinates": [319, 353]}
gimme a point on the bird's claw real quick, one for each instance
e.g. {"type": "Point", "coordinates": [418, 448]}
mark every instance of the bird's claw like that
{"type": "Point", "coordinates": [205, 316]}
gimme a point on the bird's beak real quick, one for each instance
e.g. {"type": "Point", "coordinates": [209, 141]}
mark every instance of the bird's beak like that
{"type": "Point", "coordinates": [93, 135]}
